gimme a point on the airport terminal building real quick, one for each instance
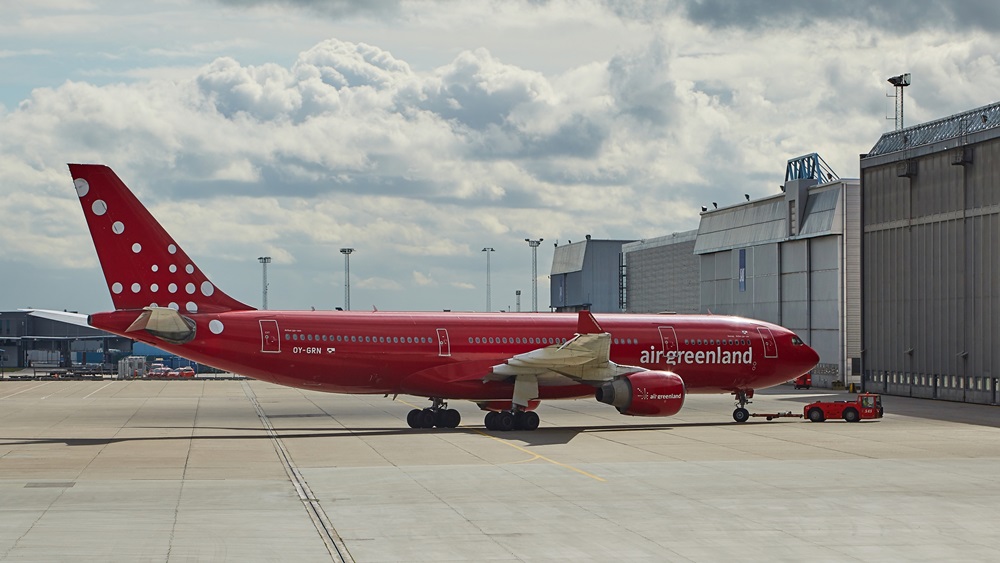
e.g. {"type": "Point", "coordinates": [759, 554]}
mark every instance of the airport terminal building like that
{"type": "Point", "coordinates": [931, 256]}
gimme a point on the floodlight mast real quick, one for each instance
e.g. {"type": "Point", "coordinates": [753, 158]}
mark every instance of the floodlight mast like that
{"type": "Point", "coordinates": [488, 250]}
{"type": "Point", "coordinates": [534, 271]}
{"type": "Point", "coordinates": [264, 261]}
{"type": "Point", "coordinates": [347, 277]}
{"type": "Point", "coordinates": [900, 82]}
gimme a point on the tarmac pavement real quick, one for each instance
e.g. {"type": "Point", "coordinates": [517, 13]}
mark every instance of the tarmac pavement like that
{"type": "Point", "coordinates": [227, 470]}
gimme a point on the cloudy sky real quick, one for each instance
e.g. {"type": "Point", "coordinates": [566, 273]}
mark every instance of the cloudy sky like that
{"type": "Point", "coordinates": [420, 132]}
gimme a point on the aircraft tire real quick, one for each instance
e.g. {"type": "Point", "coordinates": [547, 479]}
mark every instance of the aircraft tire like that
{"type": "Point", "coordinates": [413, 418]}
{"type": "Point", "coordinates": [449, 418]}
{"type": "Point", "coordinates": [528, 420]}
{"type": "Point", "coordinates": [426, 419]}
{"type": "Point", "coordinates": [504, 421]}
{"type": "Point", "coordinates": [491, 420]}
{"type": "Point", "coordinates": [741, 415]}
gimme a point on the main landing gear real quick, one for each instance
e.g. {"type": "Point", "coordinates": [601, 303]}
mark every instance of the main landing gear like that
{"type": "Point", "coordinates": [511, 420]}
{"type": "Point", "coordinates": [438, 415]}
{"type": "Point", "coordinates": [741, 414]}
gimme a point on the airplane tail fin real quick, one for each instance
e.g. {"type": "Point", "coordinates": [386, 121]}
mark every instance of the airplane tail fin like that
{"type": "Point", "coordinates": [143, 265]}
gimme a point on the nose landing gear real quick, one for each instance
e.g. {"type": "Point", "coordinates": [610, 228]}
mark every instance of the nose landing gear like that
{"type": "Point", "coordinates": [743, 396]}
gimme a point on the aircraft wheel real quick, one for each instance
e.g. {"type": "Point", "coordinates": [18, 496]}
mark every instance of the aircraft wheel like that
{"type": "Point", "coordinates": [741, 415]}
{"type": "Point", "coordinates": [816, 415]}
{"type": "Point", "coordinates": [851, 415]}
{"type": "Point", "coordinates": [529, 420]}
{"type": "Point", "coordinates": [413, 418]}
{"type": "Point", "coordinates": [490, 421]}
{"type": "Point", "coordinates": [426, 419]}
{"type": "Point", "coordinates": [449, 418]}
{"type": "Point", "coordinates": [504, 421]}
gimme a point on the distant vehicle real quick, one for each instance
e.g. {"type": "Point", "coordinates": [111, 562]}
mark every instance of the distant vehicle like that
{"type": "Point", "coordinates": [803, 381]}
{"type": "Point", "coordinates": [181, 372]}
{"type": "Point", "coordinates": [866, 406]}
{"type": "Point", "coordinates": [158, 370]}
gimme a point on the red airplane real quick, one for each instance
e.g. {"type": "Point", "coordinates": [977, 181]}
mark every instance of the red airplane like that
{"type": "Point", "coordinates": [643, 365]}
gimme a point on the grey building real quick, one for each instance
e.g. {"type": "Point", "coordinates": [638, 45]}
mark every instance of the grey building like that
{"type": "Point", "coordinates": [792, 259]}
{"type": "Point", "coordinates": [661, 274]}
{"type": "Point", "coordinates": [29, 339]}
{"type": "Point", "coordinates": [931, 284]}
{"type": "Point", "coordinates": [587, 275]}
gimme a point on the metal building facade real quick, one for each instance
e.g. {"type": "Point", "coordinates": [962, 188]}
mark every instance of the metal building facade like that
{"type": "Point", "coordinates": [586, 275]}
{"type": "Point", "coordinates": [27, 337]}
{"type": "Point", "coordinates": [792, 259]}
{"type": "Point", "coordinates": [931, 285]}
{"type": "Point", "coordinates": [661, 274]}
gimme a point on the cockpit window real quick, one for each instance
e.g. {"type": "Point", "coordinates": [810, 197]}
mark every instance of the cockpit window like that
{"type": "Point", "coordinates": [796, 341]}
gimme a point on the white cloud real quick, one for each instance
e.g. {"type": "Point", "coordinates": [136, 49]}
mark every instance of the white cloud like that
{"type": "Point", "coordinates": [423, 279]}
{"type": "Point", "coordinates": [536, 119]}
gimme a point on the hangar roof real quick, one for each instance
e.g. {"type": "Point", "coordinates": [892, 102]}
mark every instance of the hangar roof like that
{"type": "Point", "coordinates": [765, 220]}
{"type": "Point", "coordinates": [971, 122]}
{"type": "Point", "coordinates": [673, 238]}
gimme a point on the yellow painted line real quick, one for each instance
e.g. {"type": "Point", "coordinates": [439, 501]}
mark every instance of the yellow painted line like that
{"type": "Point", "coordinates": [527, 451]}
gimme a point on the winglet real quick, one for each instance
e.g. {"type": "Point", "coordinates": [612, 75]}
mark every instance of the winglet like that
{"type": "Point", "coordinates": [587, 324]}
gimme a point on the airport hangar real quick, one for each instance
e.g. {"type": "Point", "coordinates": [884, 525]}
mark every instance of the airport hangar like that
{"type": "Point", "coordinates": [931, 256]}
{"type": "Point", "coordinates": [791, 259]}
{"type": "Point", "coordinates": [894, 278]}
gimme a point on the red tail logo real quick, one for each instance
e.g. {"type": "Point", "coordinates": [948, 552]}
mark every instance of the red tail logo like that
{"type": "Point", "coordinates": [142, 264]}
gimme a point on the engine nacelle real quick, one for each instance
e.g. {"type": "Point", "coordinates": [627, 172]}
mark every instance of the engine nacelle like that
{"type": "Point", "coordinates": [646, 393]}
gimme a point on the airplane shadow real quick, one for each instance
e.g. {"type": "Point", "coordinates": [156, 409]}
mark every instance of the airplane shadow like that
{"type": "Point", "coordinates": [541, 436]}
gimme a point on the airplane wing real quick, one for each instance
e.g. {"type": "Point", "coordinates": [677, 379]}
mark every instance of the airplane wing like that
{"type": "Point", "coordinates": [585, 358]}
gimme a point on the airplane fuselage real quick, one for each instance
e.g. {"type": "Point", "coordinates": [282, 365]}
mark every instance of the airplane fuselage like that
{"type": "Point", "coordinates": [433, 354]}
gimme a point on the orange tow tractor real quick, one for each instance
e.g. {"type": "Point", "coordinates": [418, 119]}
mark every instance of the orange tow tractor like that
{"type": "Point", "coordinates": [866, 406]}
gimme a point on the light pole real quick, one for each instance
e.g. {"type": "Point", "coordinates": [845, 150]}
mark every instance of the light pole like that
{"type": "Point", "coordinates": [264, 261]}
{"type": "Point", "coordinates": [534, 271]}
{"type": "Point", "coordinates": [488, 250]}
{"type": "Point", "coordinates": [517, 293]}
{"type": "Point", "coordinates": [347, 277]}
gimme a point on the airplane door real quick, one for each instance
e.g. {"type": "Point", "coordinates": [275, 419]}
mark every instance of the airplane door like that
{"type": "Point", "coordinates": [269, 340]}
{"type": "Point", "coordinates": [444, 345]}
{"type": "Point", "coordinates": [669, 338]}
{"type": "Point", "coordinates": [770, 346]}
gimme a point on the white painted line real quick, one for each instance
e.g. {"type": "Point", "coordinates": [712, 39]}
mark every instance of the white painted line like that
{"type": "Point", "coordinates": [25, 390]}
{"type": "Point", "coordinates": [102, 387]}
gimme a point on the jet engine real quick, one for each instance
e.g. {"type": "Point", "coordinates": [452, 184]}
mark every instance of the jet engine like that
{"type": "Point", "coordinates": [646, 393]}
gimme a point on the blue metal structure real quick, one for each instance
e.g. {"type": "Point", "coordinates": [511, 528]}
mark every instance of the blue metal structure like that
{"type": "Point", "coordinates": [809, 167]}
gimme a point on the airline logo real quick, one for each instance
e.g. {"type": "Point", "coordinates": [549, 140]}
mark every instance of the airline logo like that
{"type": "Point", "coordinates": [690, 357]}
{"type": "Point", "coordinates": [645, 395]}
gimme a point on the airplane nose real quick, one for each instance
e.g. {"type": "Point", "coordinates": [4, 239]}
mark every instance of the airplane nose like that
{"type": "Point", "coordinates": [811, 356]}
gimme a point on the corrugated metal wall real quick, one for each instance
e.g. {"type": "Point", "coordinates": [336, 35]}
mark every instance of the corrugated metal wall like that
{"type": "Point", "coordinates": [662, 278]}
{"type": "Point", "coordinates": [931, 276]}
